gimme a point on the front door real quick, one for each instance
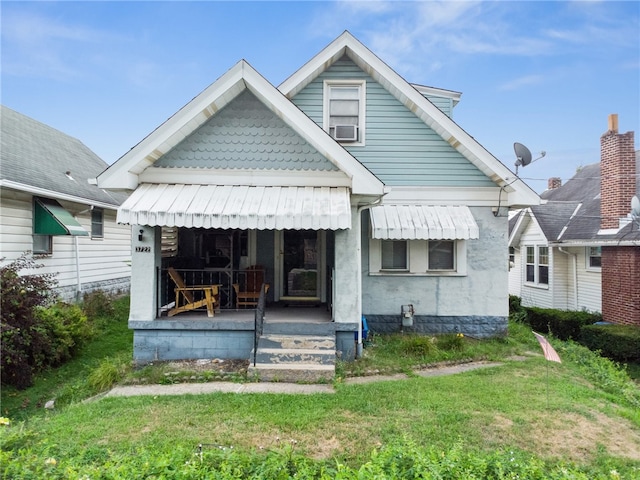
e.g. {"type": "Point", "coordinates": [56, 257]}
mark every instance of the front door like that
{"type": "Point", "coordinates": [301, 266]}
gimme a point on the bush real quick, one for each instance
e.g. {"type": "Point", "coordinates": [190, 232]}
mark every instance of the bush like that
{"type": "Point", "coordinates": [24, 346]}
{"type": "Point", "coordinates": [515, 304]}
{"type": "Point", "coordinates": [564, 324]}
{"type": "Point", "coordinates": [617, 342]}
{"type": "Point", "coordinates": [66, 329]}
{"type": "Point", "coordinates": [97, 304]}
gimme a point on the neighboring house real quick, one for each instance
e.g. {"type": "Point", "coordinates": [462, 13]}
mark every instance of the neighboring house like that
{"type": "Point", "coordinates": [350, 187]}
{"type": "Point", "coordinates": [50, 209]}
{"type": "Point", "coordinates": [581, 249]}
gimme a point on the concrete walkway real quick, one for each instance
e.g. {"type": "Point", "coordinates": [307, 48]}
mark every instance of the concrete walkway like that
{"type": "Point", "coordinates": [277, 387]}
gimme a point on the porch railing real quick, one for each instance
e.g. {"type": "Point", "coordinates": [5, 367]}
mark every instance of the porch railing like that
{"type": "Point", "coordinates": [225, 278]}
{"type": "Point", "coordinates": [258, 322]}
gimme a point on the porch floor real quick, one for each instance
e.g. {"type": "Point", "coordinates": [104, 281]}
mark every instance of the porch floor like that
{"type": "Point", "coordinates": [273, 314]}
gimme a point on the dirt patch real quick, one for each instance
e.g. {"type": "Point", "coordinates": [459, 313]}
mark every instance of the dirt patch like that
{"type": "Point", "coordinates": [208, 365]}
{"type": "Point", "coordinates": [574, 436]}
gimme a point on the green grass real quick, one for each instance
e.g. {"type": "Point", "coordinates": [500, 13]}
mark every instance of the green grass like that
{"type": "Point", "coordinates": [69, 383]}
{"type": "Point", "coordinates": [579, 416]}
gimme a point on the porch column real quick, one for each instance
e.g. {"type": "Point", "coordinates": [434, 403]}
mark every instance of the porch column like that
{"type": "Point", "coordinates": [145, 258]}
{"type": "Point", "coordinates": [347, 302]}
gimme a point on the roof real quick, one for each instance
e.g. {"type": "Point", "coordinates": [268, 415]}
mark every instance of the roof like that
{"type": "Point", "coordinates": [572, 212]}
{"type": "Point", "coordinates": [44, 161]}
{"type": "Point", "coordinates": [518, 192]}
{"type": "Point", "coordinates": [125, 172]}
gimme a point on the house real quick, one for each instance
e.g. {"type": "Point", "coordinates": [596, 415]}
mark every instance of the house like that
{"type": "Point", "coordinates": [50, 209]}
{"type": "Point", "coordinates": [581, 249]}
{"type": "Point", "coordinates": [353, 190]}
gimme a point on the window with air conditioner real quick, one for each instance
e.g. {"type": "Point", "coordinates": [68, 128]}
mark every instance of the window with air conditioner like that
{"type": "Point", "coordinates": [344, 110]}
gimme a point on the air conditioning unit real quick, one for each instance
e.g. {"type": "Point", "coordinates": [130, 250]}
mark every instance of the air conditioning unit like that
{"type": "Point", "coordinates": [345, 133]}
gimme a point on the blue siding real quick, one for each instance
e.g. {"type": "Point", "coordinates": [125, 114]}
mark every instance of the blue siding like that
{"type": "Point", "coordinates": [245, 134]}
{"type": "Point", "coordinates": [399, 148]}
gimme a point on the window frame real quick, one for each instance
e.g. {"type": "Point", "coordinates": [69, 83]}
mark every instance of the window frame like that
{"type": "Point", "coordinates": [403, 268]}
{"type": "Point", "coordinates": [589, 256]}
{"type": "Point", "coordinates": [537, 261]}
{"type": "Point", "coordinates": [418, 259]}
{"type": "Point", "coordinates": [95, 223]}
{"type": "Point", "coordinates": [328, 85]}
{"type": "Point", "coordinates": [40, 251]}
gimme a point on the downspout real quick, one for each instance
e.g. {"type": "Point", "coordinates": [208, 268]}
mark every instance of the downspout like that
{"type": "Point", "coordinates": [574, 266]}
{"type": "Point", "coordinates": [359, 271]}
{"type": "Point", "coordinates": [76, 246]}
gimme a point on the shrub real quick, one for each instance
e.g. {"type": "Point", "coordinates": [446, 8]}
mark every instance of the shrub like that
{"type": "Point", "coordinates": [97, 304]}
{"type": "Point", "coordinates": [515, 304]}
{"type": "Point", "coordinates": [66, 329]}
{"type": "Point", "coordinates": [618, 342]}
{"type": "Point", "coordinates": [24, 347]}
{"type": "Point", "coordinates": [564, 324]}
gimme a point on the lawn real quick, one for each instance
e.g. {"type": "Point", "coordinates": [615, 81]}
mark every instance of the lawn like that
{"type": "Point", "coordinates": [526, 417]}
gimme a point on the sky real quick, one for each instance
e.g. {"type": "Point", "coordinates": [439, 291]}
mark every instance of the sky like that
{"type": "Point", "coordinates": [544, 74]}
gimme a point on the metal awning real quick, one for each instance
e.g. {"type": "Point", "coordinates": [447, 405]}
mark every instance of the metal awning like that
{"type": "Point", "coordinates": [423, 222]}
{"type": "Point", "coordinates": [237, 206]}
{"type": "Point", "coordinates": [51, 218]}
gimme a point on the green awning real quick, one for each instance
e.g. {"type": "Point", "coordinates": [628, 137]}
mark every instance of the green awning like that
{"type": "Point", "coordinates": [50, 218]}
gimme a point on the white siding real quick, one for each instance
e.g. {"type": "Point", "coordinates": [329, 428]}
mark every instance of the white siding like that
{"type": "Point", "coordinates": [561, 280]}
{"type": "Point", "coordinates": [589, 284]}
{"type": "Point", "coordinates": [534, 295]}
{"type": "Point", "coordinates": [100, 260]}
{"type": "Point", "coordinates": [515, 274]}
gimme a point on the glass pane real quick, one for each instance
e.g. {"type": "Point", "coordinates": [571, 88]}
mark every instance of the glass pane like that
{"type": "Point", "coordinates": [342, 93]}
{"type": "Point", "coordinates": [543, 255]}
{"type": "Point", "coordinates": [96, 223]}
{"type": "Point", "coordinates": [441, 255]}
{"type": "Point", "coordinates": [344, 107]}
{"type": "Point", "coordinates": [42, 244]}
{"type": "Point", "coordinates": [530, 273]}
{"type": "Point", "coordinates": [300, 263]}
{"type": "Point", "coordinates": [394, 255]}
{"type": "Point", "coordinates": [543, 275]}
{"type": "Point", "coordinates": [595, 262]}
{"type": "Point", "coordinates": [531, 255]}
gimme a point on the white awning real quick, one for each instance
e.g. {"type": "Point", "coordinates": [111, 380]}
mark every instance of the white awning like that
{"type": "Point", "coordinates": [426, 222]}
{"type": "Point", "coordinates": [237, 206]}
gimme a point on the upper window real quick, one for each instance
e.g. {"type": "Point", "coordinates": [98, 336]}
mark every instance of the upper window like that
{"type": "Point", "coordinates": [594, 255]}
{"type": "Point", "coordinates": [537, 265]}
{"type": "Point", "coordinates": [344, 110]}
{"type": "Point", "coordinates": [97, 223]}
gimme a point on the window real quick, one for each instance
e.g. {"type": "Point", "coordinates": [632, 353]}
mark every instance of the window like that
{"type": "Point", "coordinates": [344, 110]}
{"type": "Point", "coordinates": [43, 244]}
{"type": "Point", "coordinates": [97, 223]}
{"type": "Point", "coordinates": [531, 264]}
{"type": "Point", "coordinates": [543, 265]}
{"type": "Point", "coordinates": [394, 255]}
{"type": "Point", "coordinates": [441, 255]}
{"type": "Point", "coordinates": [512, 255]}
{"type": "Point", "coordinates": [594, 255]}
{"type": "Point", "coordinates": [537, 265]}
{"type": "Point", "coordinates": [418, 257]}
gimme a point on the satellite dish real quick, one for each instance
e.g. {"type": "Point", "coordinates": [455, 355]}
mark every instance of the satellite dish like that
{"type": "Point", "coordinates": [523, 155]}
{"type": "Point", "coordinates": [635, 207]}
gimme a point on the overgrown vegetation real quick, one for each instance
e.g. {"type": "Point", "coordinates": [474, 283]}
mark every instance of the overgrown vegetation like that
{"type": "Point", "coordinates": [528, 418]}
{"type": "Point", "coordinates": [618, 342]}
{"type": "Point", "coordinates": [26, 345]}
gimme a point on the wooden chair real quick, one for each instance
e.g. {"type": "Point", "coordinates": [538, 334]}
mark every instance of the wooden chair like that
{"type": "Point", "coordinates": [249, 294]}
{"type": "Point", "coordinates": [185, 300]}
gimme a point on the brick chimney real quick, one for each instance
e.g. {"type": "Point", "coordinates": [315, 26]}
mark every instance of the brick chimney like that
{"type": "Point", "coordinates": [553, 183]}
{"type": "Point", "coordinates": [617, 174]}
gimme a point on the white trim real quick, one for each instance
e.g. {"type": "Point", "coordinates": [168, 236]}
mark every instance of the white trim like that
{"type": "Point", "coordinates": [418, 260]}
{"type": "Point", "coordinates": [518, 192]}
{"type": "Point", "coordinates": [470, 196]}
{"type": "Point", "coordinates": [362, 107]}
{"type": "Point", "coordinates": [42, 192]}
{"type": "Point", "coordinates": [265, 178]}
{"type": "Point", "coordinates": [124, 173]}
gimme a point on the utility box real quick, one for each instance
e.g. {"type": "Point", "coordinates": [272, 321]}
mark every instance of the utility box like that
{"type": "Point", "coordinates": [406, 314]}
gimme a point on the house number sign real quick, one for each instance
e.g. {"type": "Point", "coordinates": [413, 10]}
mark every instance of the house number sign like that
{"type": "Point", "coordinates": [143, 249]}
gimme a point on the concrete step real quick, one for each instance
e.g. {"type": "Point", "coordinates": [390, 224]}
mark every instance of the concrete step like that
{"type": "Point", "coordinates": [299, 328]}
{"type": "Point", "coordinates": [295, 358]}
